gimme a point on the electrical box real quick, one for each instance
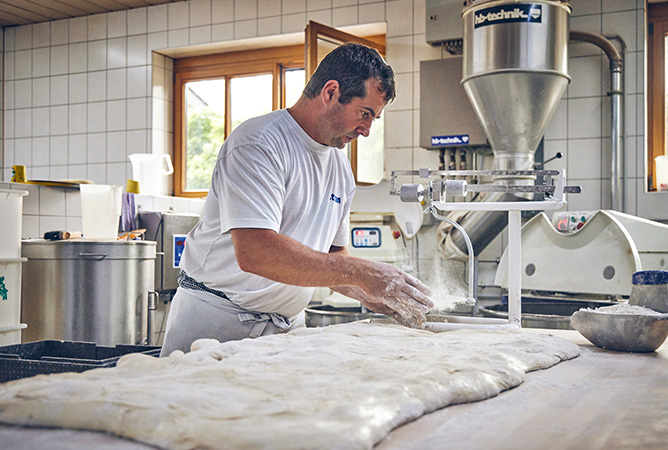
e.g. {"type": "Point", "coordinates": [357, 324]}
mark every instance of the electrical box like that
{"type": "Point", "coordinates": [444, 21]}
{"type": "Point", "coordinates": [447, 118]}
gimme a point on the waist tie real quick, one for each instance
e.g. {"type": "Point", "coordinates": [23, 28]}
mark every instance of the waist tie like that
{"type": "Point", "coordinates": [261, 321]}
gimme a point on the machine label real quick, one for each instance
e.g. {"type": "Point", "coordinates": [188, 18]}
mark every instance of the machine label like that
{"type": "Point", "coordinates": [507, 14]}
{"type": "Point", "coordinates": [459, 139]}
{"type": "Point", "coordinates": [179, 246]}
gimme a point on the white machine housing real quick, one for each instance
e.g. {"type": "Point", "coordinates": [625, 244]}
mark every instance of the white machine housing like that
{"type": "Point", "coordinates": [595, 252]}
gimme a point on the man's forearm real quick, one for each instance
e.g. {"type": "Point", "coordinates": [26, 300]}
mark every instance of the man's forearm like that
{"type": "Point", "coordinates": [280, 258]}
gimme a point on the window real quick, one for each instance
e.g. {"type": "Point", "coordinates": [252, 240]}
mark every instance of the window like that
{"type": "Point", "coordinates": [215, 93]}
{"type": "Point", "coordinates": [657, 113]}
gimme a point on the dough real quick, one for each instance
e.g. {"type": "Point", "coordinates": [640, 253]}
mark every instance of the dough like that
{"type": "Point", "coordinates": [342, 387]}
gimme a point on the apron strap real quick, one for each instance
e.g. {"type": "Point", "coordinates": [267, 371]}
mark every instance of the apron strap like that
{"type": "Point", "coordinates": [261, 320]}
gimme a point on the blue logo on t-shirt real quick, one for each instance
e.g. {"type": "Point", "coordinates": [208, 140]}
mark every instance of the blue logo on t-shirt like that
{"type": "Point", "coordinates": [335, 199]}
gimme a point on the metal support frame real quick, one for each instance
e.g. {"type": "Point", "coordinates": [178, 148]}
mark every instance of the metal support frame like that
{"type": "Point", "coordinates": [514, 210]}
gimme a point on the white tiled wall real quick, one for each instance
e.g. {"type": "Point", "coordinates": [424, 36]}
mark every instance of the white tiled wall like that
{"type": "Point", "coordinates": [59, 209]}
{"type": "Point", "coordinates": [81, 94]}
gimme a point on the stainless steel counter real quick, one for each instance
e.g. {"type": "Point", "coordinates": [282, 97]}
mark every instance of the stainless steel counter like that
{"type": "Point", "coordinates": [601, 400]}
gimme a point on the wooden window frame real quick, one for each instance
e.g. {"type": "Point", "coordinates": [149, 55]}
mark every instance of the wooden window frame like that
{"type": "Point", "coordinates": [227, 65]}
{"type": "Point", "coordinates": [657, 20]}
{"type": "Point", "coordinates": [275, 60]}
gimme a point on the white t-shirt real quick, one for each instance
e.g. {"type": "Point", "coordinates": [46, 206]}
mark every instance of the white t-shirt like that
{"type": "Point", "coordinates": [269, 174]}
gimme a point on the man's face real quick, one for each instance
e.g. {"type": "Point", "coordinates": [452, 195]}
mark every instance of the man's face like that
{"type": "Point", "coordinates": [346, 122]}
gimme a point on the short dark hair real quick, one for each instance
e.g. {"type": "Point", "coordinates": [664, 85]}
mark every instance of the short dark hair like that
{"type": "Point", "coordinates": [352, 65]}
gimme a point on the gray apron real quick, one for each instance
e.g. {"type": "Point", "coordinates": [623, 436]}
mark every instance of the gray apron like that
{"type": "Point", "coordinates": [196, 314]}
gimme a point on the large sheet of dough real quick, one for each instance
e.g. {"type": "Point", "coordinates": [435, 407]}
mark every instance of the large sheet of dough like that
{"type": "Point", "coordinates": [344, 386]}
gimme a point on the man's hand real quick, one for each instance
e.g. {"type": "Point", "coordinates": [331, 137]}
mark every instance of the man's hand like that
{"type": "Point", "coordinates": [388, 290]}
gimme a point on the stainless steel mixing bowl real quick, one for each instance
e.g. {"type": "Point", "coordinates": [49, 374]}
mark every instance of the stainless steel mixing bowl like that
{"type": "Point", "coordinates": [622, 332]}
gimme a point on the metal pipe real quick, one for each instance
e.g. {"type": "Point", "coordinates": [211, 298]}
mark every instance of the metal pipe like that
{"type": "Point", "coordinates": [472, 269]}
{"type": "Point", "coordinates": [616, 114]}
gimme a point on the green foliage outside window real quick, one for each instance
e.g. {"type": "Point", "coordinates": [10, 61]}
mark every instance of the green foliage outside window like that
{"type": "Point", "coordinates": [206, 132]}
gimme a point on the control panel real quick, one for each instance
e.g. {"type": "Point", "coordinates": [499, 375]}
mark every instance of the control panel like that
{"type": "Point", "coordinates": [366, 237]}
{"type": "Point", "coordinates": [179, 246]}
{"type": "Point", "coordinates": [571, 221]}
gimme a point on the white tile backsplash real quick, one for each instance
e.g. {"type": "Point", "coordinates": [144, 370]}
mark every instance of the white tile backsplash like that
{"type": "Point", "coordinates": [22, 93]}
{"type": "Point", "coordinates": [78, 30]}
{"type": "Point", "coordinates": [60, 57]}
{"type": "Point", "coordinates": [200, 35]}
{"type": "Point", "coordinates": [29, 224]}
{"type": "Point", "coordinates": [60, 32]}
{"type": "Point", "coordinates": [116, 144]}
{"type": "Point", "coordinates": [137, 54]}
{"type": "Point", "coordinates": [117, 24]}
{"type": "Point", "coordinates": [41, 62]}
{"type": "Point", "coordinates": [178, 38]}
{"type": "Point", "coordinates": [96, 147]}
{"type": "Point", "coordinates": [23, 64]}
{"type": "Point", "coordinates": [177, 15]}
{"type": "Point", "coordinates": [41, 121]}
{"type": "Point", "coordinates": [77, 149]}
{"type": "Point", "coordinates": [41, 34]}
{"type": "Point", "coordinates": [78, 54]}
{"type": "Point", "coordinates": [97, 86]}
{"type": "Point", "coordinates": [199, 12]}
{"type": "Point", "coordinates": [117, 54]}
{"type": "Point", "coordinates": [23, 125]}
{"type": "Point", "coordinates": [52, 202]}
{"type": "Point", "coordinates": [78, 88]}
{"type": "Point", "coordinates": [97, 117]}
{"type": "Point", "coordinates": [77, 115]}
{"type": "Point", "coordinates": [116, 115]}
{"type": "Point", "coordinates": [117, 84]}
{"type": "Point", "coordinates": [97, 27]}
{"type": "Point", "coordinates": [59, 90]}
{"type": "Point", "coordinates": [137, 21]}
{"type": "Point", "coordinates": [97, 55]}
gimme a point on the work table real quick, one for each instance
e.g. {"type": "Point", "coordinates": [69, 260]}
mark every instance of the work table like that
{"type": "Point", "coordinates": [600, 400]}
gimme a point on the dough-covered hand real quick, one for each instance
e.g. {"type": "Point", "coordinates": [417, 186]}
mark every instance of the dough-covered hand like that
{"type": "Point", "coordinates": [388, 290]}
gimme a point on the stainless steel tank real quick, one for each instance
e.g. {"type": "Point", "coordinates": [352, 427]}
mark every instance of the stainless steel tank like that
{"type": "Point", "coordinates": [95, 291]}
{"type": "Point", "coordinates": [515, 71]}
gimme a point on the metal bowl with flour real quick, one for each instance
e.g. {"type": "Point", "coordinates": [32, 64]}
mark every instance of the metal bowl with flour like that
{"type": "Point", "coordinates": [623, 327]}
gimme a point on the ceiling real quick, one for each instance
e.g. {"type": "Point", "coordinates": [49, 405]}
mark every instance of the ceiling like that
{"type": "Point", "coordinates": [22, 12]}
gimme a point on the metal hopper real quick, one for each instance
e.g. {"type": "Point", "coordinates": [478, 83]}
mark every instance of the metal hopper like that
{"type": "Point", "coordinates": [514, 73]}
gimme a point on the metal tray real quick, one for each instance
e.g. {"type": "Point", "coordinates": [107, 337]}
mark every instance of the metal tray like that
{"type": "Point", "coordinates": [52, 356]}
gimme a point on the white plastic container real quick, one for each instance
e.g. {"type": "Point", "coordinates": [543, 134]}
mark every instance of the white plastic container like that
{"type": "Point", "coordinates": [661, 173]}
{"type": "Point", "coordinates": [10, 301]}
{"type": "Point", "coordinates": [11, 205]}
{"type": "Point", "coordinates": [149, 171]}
{"type": "Point", "coordinates": [100, 211]}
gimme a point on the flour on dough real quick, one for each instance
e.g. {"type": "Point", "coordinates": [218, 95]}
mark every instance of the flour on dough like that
{"type": "Point", "coordinates": [341, 387]}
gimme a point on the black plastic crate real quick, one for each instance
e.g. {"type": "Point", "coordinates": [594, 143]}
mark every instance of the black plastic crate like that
{"type": "Point", "coordinates": [50, 356]}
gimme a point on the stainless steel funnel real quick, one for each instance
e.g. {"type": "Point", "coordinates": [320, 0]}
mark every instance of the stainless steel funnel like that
{"type": "Point", "coordinates": [515, 73]}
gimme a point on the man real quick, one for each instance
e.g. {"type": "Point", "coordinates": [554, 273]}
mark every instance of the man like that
{"type": "Point", "coordinates": [275, 222]}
